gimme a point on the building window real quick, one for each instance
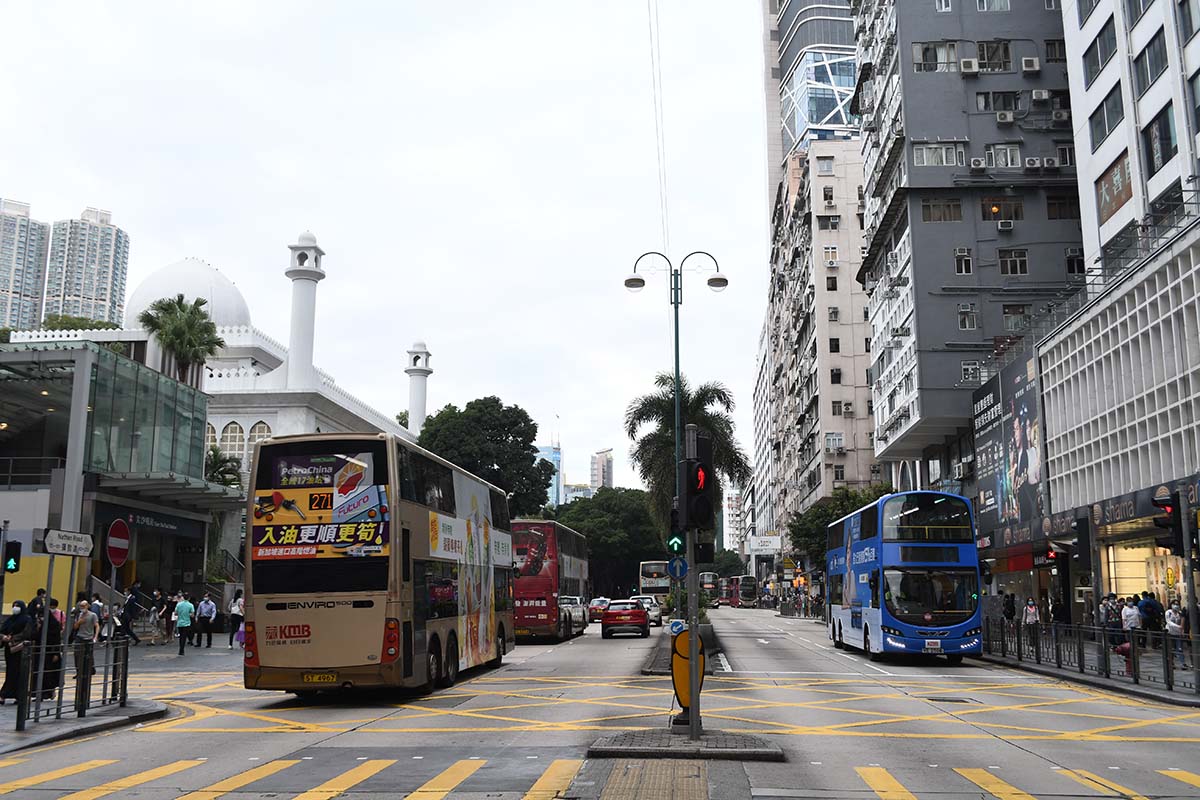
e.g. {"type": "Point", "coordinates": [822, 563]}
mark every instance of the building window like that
{"type": "Point", "coordinates": [258, 431]}
{"type": "Point", "coordinates": [824, 165]}
{"type": "Point", "coordinates": [970, 371]}
{"type": "Point", "coordinates": [1099, 52]}
{"type": "Point", "coordinates": [1189, 11]}
{"type": "Point", "coordinates": [1052, 5]}
{"type": "Point", "coordinates": [835, 345]}
{"type": "Point", "coordinates": [827, 193]}
{"type": "Point", "coordinates": [1003, 155]}
{"type": "Point", "coordinates": [1075, 262]}
{"type": "Point", "coordinates": [831, 283]}
{"type": "Point", "coordinates": [866, 313]}
{"type": "Point", "coordinates": [962, 261]}
{"type": "Point", "coordinates": [837, 408]}
{"type": "Point", "coordinates": [1194, 85]}
{"type": "Point", "coordinates": [1016, 316]}
{"type": "Point", "coordinates": [935, 56]}
{"type": "Point", "coordinates": [1066, 154]}
{"type": "Point", "coordinates": [1150, 63]}
{"type": "Point", "coordinates": [835, 375]}
{"type": "Point", "coordinates": [210, 438]}
{"type": "Point", "coordinates": [1013, 261]}
{"type": "Point", "coordinates": [1056, 51]}
{"type": "Point", "coordinates": [1062, 206]}
{"type": "Point", "coordinates": [1158, 140]}
{"type": "Point", "coordinates": [968, 317]}
{"type": "Point", "coordinates": [833, 313]}
{"type": "Point", "coordinates": [1106, 117]}
{"type": "Point", "coordinates": [831, 252]}
{"type": "Point", "coordinates": [941, 6]}
{"type": "Point", "coordinates": [992, 5]}
{"type": "Point", "coordinates": [233, 441]}
{"type": "Point", "coordinates": [941, 210]}
{"type": "Point", "coordinates": [1002, 208]}
{"type": "Point", "coordinates": [995, 56]}
{"type": "Point", "coordinates": [839, 472]}
{"type": "Point", "coordinates": [876, 469]}
{"type": "Point", "coordinates": [834, 440]}
{"type": "Point", "coordinates": [1000, 101]}
{"type": "Point", "coordinates": [939, 155]}
{"type": "Point", "coordinates": [867, 344]}
{"type": "Point", "coordinates": [1085, 9]}
{"type": "Point", "coordinates": [1134, 10]}
{"type": "Point", "coordinates": [828, 222]}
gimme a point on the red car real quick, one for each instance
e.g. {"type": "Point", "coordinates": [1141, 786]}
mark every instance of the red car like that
{"type": "Point", "coordinates": [624, 616]}
{"type": "Point", "coordinates": [596, 609]}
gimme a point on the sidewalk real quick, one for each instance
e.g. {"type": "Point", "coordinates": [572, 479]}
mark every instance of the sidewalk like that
{"type": "Point", "coordinates": [70, 727]}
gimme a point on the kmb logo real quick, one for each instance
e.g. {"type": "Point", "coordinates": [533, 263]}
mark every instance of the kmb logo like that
{"type": "Point", "coordinates": [275, 632]}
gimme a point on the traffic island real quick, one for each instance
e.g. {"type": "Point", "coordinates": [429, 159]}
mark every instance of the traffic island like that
{"type": "Point", "coordinates": [662, 743]}
{"type": "Point", "coordinates": [658, 662]}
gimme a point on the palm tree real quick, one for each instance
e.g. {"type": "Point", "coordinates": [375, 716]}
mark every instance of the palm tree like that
{"type": "Point", "coordinates": [222, 469]}
{"type": "Point", "coordinates": [184, 330]}
{"type": "Point", "coordinates": [708, 407]}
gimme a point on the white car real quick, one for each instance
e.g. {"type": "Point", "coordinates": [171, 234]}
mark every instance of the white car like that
{"type": "Point", "coordinates": [653, 609]}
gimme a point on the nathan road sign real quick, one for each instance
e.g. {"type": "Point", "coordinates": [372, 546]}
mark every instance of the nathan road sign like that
{"type": "Point", "coordinates": [67, 543]}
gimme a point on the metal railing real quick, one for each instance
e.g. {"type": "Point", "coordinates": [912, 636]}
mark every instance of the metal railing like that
{"type": "Point", "coordinates": [23, 471]}
{"type": "Point", "coordinates": [1152, 658]}
{"type": "Point", "coordinates": [97, 676]}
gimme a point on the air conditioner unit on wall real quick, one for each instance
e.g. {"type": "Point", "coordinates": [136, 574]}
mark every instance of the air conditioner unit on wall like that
{"type": "Point", "coordinates": [832, 263]}
{"type": "Point", "coordinates": [1074, 251]}
{"type": "Point", "coordinates": [1005, 225]}
{"type": "Point", "coordinates": [1031, 65]}
{"type": "Point", "coordinates": [847, 409]}
{"type": "Point", "coordinates": [1041, 95]}
{"type": "Point", "coordinates": [1050, 162]}
{"type": "Point", "coordinates": [978, 165]}
{"type": "Point", "coordinates": [1060, 115]}
{"type": "Point", "coordinates": [1033, 163]}
{"type": "Point", "coordinates": [969, 66]}
{"type": "Point", "coordinates": [962, 251]}
{"type": "Point", "coordinates": [1004, 118]}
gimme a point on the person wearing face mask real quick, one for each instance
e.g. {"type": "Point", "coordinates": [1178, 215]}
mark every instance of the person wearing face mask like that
{"type": "Point", "coordinates": [1030, 618]}
{"type": "Point", "coordinates": [15, 634]}
{"type": "Point", "coordinates": [1131, 621]}
{"type": "Point", "coordinates": [87, 630]}
{"type": "Point", "coordinates": [1174, 620]}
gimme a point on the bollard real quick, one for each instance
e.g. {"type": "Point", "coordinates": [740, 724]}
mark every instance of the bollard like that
{"type": "Point", "coordinates": [1168, 663]}
{"type": "Point", "coordinates": [24, 676]}
{"type": "Point", "coordinates": [1057, 650]}
{"type": "Point", "coordinates": [1018, 632]}
{"type": "Point", "coordinates": [125, 675]}
{"type": "Point", "coordinates": [1133, 654]}
{"type": "Point", "coordinates": [1079, 649]}
{"type": "Point", "coordinates": [1104, 659]}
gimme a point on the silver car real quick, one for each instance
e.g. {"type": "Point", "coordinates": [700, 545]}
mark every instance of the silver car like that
{"type": "Point", "coordinates": [653, 609]}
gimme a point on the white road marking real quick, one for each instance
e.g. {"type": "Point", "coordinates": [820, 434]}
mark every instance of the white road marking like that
{"type": "Point", "coordinates": [764, 641]}
{"type": "Point", "coordinates": [877, 669]}
{"type": "Point", "coordinates": [724, 662]}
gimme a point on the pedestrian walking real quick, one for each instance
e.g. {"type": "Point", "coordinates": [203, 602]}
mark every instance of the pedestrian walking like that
{"type": "Point", "coordinates": [1111, 617]}
{"type": "Point", "coordinates": [184, 611]}
{"type": "Point", "coordinates": [158, 606]}
{"type": "Point", "coordinates": [237, 613]}
{"type": "Point", "coordinates": [1174, 620]}
{"type": "Point", "coordinates": [169, 618]}
{"type": "Point", "coordinates": [37, 605]}
{"type": "Point", "coordinates": [52, 671]}
{"type": "Point", "coordinates": [1131, 621]}
{"type": "Point", "coordinates": [207, 612]}
{"type": "Point", "coordinates": [87, 630]}
{"type": "Point", "coordinates": [1030, 618]}
{"type": "Point", "coordinates": [128, 610]}
{"type": "Point", "coordinates": [15, 633]}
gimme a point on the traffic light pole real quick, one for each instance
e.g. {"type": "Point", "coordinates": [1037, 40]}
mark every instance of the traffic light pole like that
{"type": "Point", "coordinates": [693, 613]}
{"type": "Point", "coordinates": [1189, 566]}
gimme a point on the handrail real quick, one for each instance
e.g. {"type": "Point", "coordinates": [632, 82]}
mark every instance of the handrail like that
{"type": "Point", "coordinates": [27, 470]}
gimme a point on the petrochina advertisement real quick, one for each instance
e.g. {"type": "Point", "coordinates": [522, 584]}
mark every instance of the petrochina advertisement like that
{"type": "Point", "coordinates": [324, 506]}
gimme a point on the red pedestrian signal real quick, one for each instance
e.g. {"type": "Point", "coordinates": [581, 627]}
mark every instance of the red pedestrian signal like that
{"type": "Point", "coordinates": [1172, 521]}
{"type": "Point", "coordinates": [697, 494]}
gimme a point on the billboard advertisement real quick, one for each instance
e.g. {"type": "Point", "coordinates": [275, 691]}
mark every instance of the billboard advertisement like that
{"type": "Point", "coordinates": [1010, 470]}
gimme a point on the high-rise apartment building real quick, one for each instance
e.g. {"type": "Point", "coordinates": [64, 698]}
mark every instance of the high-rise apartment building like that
{"type": "Point", "coordinates": [809, 79]}
{"type": "Point", "coordinates": [759, 495]}
{"type": "Point", "coordinates": [85, 275]}
{"type": "Point", "coordinates": [553, 454]}
{"type": "Point", "coordinates": [602, 469]}
{"type": "Point", "coordinates": [23, 245]}
{"type": "Point", "coordinates": [820, 342]}
{"type": "Point", "coordinates": [972, 212]}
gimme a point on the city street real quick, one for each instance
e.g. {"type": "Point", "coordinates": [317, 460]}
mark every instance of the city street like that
{"type": "Point", "coordinates": [850, 728]}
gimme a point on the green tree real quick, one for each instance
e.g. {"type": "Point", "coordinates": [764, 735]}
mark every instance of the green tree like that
{"type": "Point", "coordinates": [709, 407]}
{"type": "Point", "coordinates": [807, 531]}
{"type": "Point", "coordinates": [185, 330]}
{"type": "Point", "coordinates": [495, 442]}
{"type": "Point", "coordinates": [728, 564]}
{"type": "Point", "coordinates": [4, 334]}
{"type": "Point", "coordinates": [222, 469]}
{"type": "Point", "coordinates": [620, 533]}
{"type": "Point", "coordinates": [402, 419]}
{"type": "Point", "coordinates": [66, 322]}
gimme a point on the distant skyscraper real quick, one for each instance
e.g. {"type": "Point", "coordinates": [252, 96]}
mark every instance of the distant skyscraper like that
{"type": "Point", "coordinates": [576, 491]}
{"type": "Point", "coordinates": [85, 276]}
{"type": "Point", "coordinates": [602, 469]}
{"type": "Point", "coordinates": [23, 244]}
{"type": "Point", "coordinates": [553, 454]}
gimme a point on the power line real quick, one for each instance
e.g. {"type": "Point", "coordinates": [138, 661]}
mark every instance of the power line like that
{"type": "Point", "coordinates": [660, 138]}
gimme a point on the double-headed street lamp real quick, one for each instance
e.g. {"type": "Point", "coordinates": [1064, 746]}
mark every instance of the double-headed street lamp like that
{"type": "Point", "coordinates": [717, 282]}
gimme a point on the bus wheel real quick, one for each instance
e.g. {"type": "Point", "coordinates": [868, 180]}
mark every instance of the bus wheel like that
{"type": "Point", "coordinates": [495, 662]}
{"type": "Point", "coordinates": [837, 639]}
{"type": "Point", "coordinates": [955, 659]}
{"type": "Point", "coordinates": [450, 674]}
{"type": "Point", "coordinates": [873, 656]}
{"type": "Point", "coordinates": [433, 666]}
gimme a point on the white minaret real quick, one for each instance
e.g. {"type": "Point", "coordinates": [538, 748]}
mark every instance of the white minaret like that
{"type": "Point", "coordinates": [418, 371]}
{"type": "Point", "coordinates": [305, 271]}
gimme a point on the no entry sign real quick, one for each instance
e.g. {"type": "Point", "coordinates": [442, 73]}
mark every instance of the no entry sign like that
{"type": "Point", "coordinates": [118, 542]}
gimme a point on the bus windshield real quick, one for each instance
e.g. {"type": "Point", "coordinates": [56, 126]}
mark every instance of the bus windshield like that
{"type": "Point", "coordinates": [927, 517]}
{"type": "Point", "coordinates": [748, 587]}
{"type": "Point", "coordinates": [922, 596]}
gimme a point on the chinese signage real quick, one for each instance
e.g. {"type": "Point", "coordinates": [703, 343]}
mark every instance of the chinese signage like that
{"type": "Point", "coordinates": [330, 540]}
{"type": "Point", "coordinates": [769, 543]}
{"type": "Point", "coordinates": [1114, 188]}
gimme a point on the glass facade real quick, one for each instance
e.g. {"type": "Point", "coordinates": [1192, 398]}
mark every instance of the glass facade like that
{"type": "Point", "coordinates": [816, 98]}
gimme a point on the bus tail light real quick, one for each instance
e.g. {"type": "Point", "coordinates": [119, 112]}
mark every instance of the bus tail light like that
{"type": "Point", "coordinates": [251, 645]}
{"type": "Point", "coordinates": [391, 641]}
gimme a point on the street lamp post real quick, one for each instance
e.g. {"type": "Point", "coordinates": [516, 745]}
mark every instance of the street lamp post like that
{"type": "Point", "coordinates": [717, 282]}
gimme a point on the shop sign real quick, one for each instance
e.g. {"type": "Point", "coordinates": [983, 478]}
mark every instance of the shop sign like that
{"type": "Point", "coordinates": [1114, 188]}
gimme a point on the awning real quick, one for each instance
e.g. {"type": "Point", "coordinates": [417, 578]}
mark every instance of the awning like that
{"type": "Point", "coordinates": [181, 490]}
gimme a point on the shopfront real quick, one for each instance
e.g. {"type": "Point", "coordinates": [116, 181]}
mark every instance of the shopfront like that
{"type": "Point", "coordinates": [166, 550]}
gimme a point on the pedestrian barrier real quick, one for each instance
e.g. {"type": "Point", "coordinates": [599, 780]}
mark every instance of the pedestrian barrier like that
{"type": "Point", "coordinates": [98, 676]}
{"type": "Point", "coordinates": [1138, 656]}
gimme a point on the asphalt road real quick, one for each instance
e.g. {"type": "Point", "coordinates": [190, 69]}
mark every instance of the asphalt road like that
{"type": "Point", "coordinates": [851, 729]}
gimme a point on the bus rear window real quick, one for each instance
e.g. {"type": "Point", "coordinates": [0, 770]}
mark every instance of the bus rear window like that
{"type": "Point", "coordinates": [320, 575]}
{"type": "Point", "coordinates": [927, 517]}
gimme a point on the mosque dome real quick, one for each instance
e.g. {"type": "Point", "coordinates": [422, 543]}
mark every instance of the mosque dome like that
{"type": "Point", "coordinates": [307, 239]}
{"type": "Point", "coordinates": [193, 278]}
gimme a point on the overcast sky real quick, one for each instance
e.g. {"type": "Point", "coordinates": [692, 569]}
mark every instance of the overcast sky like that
{"type": "Point", "coordinates": [481, 175]}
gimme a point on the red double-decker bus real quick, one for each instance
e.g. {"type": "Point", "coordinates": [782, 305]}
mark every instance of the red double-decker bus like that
{"type": "Point", "coordinates": [551, 587]}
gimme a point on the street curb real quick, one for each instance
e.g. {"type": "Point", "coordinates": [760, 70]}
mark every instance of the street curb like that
{"type": "Point", "coordinates": [1096, 683]}
{"type": "Point", "coordinates": [87, 727]}
{"type": "Point", "coordinates": [682, 747]}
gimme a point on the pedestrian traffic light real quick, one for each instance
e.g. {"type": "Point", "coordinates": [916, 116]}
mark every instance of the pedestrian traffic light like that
{"type": "Point", "coordinates": [1172, 521]}
{"type": "Point", "coordinates": [12, 556]}
{"type": "Point", "coordinates": [698, 494]}
{"type": "Point", "coordinates": [1081, 549]}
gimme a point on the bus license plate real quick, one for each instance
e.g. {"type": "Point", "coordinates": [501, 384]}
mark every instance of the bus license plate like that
{"type": "Point", "coordinates": [319, 677]}
{"type": "Point", "coordinates": [933, 645]}
{"type": "Point", "coordinates": [523, 631]}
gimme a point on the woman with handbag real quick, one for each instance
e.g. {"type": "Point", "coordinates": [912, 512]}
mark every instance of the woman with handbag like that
{"type": "Point", "coordinates": [14, 634]}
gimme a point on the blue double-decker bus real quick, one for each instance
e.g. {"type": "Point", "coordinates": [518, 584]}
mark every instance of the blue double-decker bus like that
{"type": "Point", "coordinates": [903, 577]}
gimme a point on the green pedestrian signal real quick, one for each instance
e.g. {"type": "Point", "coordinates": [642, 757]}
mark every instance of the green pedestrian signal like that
{"type": "Point", "coordinates": [675, 544]}
{"type": "Point", "coordinates": [12, 556]}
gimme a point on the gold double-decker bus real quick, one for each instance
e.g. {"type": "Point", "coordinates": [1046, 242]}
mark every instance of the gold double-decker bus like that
{"type": "Point", "coordinates": [371, 562]}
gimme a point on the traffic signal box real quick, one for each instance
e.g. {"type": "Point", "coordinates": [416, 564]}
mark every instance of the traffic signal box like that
{"type": "Point", "coordinates": [12, 556]}
{"type": "Point", "coordinates": [696, 507]}
{"type": "Point", "coordinates": [1172, 522]}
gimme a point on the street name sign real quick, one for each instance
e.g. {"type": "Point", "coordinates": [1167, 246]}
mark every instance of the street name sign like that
{"type": "Point", "coordinates": [67, 543]}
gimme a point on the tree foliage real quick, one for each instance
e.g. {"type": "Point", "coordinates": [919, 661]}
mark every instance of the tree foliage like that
{"type": "Point", "coordinates": [620, 533]}
{"type": "Point", "coordinates": [728, 564]}
{"type": "Point", "coordinates": [222, 469]}
{"type": "Point", "coordinates": [495, 442]}
{"type": "Point", "coordinates": [807, 531]}
{"type": "Point", "coordinates": [402, 419]}
{"type": "Point", "coordinates": [66, 322]}
{"type": "Point", "coordinates": [708, 406]}
{"type": "Point", "coordinates": [185, 330]}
